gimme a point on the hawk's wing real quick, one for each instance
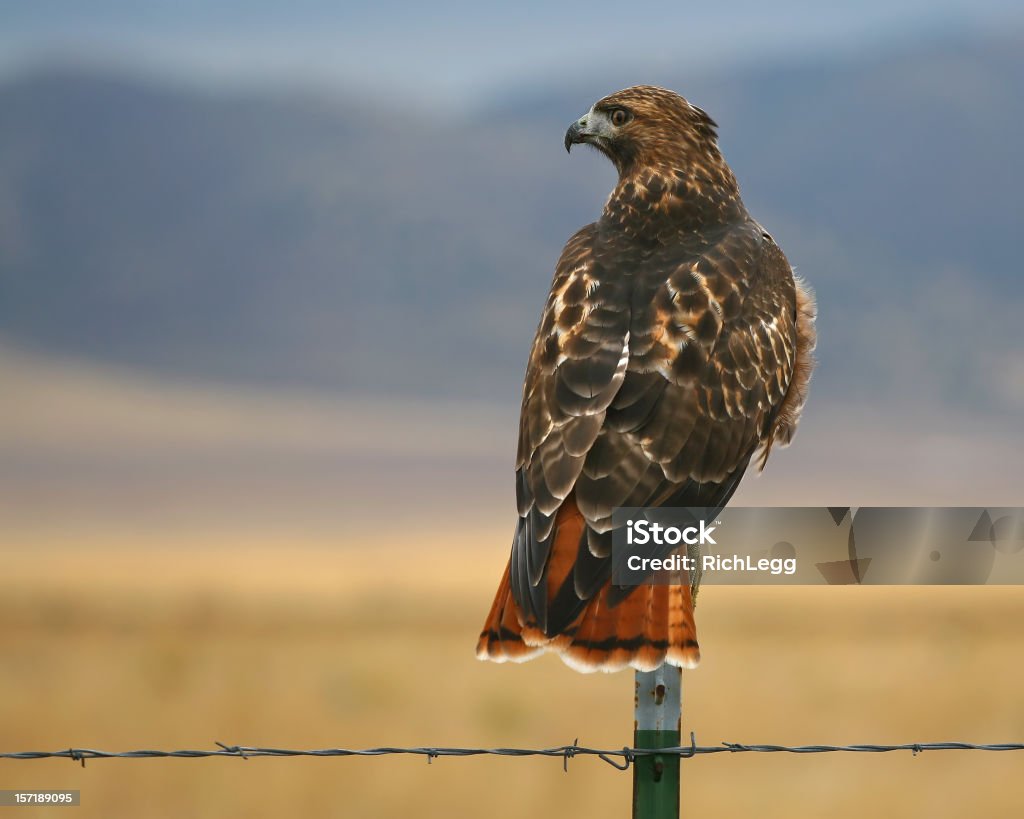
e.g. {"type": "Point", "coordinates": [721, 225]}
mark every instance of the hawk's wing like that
{"type": "Point", "coordinates": [651, 382]}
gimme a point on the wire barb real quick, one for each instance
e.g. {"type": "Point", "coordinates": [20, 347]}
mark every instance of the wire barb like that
{"type": "Point", "coordinates": [234, 750]}
{"type": "Point", "coordinates": [569, 753]}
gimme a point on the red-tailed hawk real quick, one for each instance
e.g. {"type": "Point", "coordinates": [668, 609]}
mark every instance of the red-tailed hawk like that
{"type": "Point", "coordinates": [675, 344]}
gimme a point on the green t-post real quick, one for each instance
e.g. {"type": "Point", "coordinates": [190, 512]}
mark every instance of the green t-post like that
{"type": "Point", "coordinates": [658, 711]}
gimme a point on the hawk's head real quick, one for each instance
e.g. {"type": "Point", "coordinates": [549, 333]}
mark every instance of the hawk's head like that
{"type": "Point", "coordinates": [646, 127]}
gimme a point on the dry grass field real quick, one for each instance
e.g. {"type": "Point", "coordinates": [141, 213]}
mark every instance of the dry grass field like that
{"type": "Point", "coordinates": [117, 646]}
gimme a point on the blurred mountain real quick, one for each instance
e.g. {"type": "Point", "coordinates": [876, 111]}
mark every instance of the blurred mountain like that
{"type": "Point", "coordinates": [366, 247]}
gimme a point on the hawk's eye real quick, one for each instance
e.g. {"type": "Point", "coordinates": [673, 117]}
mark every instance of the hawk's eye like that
{"type": "Point", "coordinates": [620, 116]}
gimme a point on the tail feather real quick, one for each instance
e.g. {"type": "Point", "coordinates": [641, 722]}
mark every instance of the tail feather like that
{"type": "Point", "coordinates": [502, 637]}
{"type": "Point", "coordinates": [650, 626]}
{"type": "Point", "coordinates": [598, 643]}
{"type": "Point", "coordinates": [683, 649]}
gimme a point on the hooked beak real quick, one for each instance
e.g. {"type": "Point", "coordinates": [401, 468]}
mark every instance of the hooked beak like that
{"type": "Point", "coordinates": [592, 128]}
{"type": "Point", "coordinates": [578, 132]}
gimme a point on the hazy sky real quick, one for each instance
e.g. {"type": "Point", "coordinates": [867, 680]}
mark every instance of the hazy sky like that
{"type": "Point", "coordinates": [451, 49]}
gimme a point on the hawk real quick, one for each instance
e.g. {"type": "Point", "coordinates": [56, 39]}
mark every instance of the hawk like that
{"type": "Point", "coordinates": [675, 345]}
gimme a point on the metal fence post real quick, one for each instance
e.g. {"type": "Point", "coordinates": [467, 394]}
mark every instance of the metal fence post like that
{"type": "Point", "coordinates": [658, 713]}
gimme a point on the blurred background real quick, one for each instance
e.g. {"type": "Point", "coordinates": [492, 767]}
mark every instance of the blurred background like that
{"type": "Point", "coordinates": [268, 278]}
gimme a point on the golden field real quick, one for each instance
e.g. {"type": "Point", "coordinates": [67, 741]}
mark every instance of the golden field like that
{"type": "Point", "coordinates": [118, 646]}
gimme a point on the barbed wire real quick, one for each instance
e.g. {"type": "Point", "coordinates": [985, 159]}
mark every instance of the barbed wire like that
{"type": "Point", "coordinates": [620, 759]}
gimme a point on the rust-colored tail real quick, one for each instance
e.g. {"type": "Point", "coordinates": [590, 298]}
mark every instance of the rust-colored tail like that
{"type": "Point", "coordinates": [650, 626]}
